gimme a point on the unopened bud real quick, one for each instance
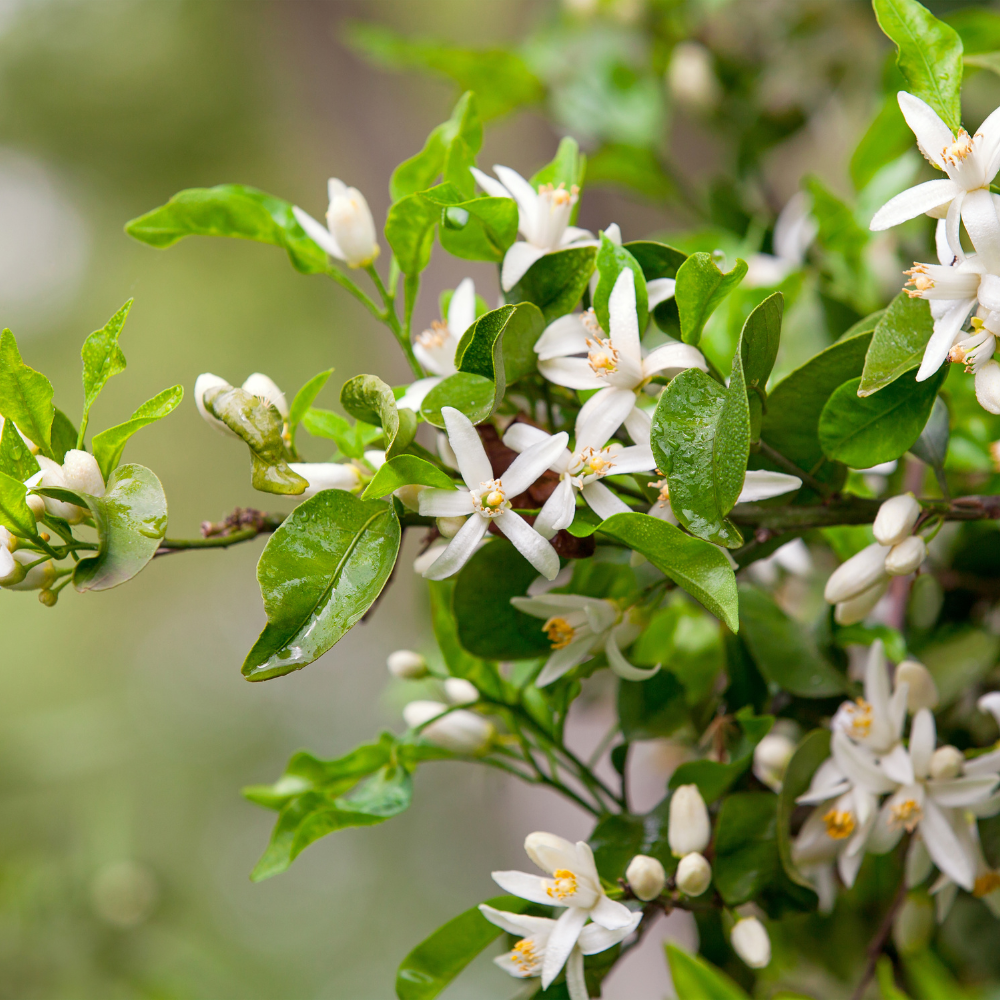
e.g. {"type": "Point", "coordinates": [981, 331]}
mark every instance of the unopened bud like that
{"type": "Point", "coordinates": [988, 387]}
{"type": "Point", "coordinates": [326, 476]}
{"type": "Point", "coordinates": [770, 759]}
{"type": "Point", "coordinates": [267, 392]}
{"type": "Point", "coordinates": [82, 474]}
{"type": "Point", "coordinates": [48, 598]}
{"type": "Point", "coordinates": [694, 874]}
{"type": "Point", "coordinates": [689, 829]}
{"type": "Point", "coordinates": [202, 385]}
{"type": "Point", "coordinates": [645, 877]}
{"type": "Point", "coordinates": [750, 941]}
{"type": "Point", "coordinates": [459, 691]}
{"type": "Point", "coordinates": [11, 571]}
{"type": "Point", "coordinates": [691, 76]}
{"type": "Point", "coordinates": [351, 224]}
{"type": "Point", "coordinates": [895, 519]}
{"type": "Point", "coordinates": [407, 665]}
{"type": "Point", "coordinates": [408, 496]}
{"type": "Point", "coordinates": [8, 540]}
{"type": "Point", "coordinates": [906, 557]}
{"type": "Point", "coordinates": [460, 731]}
{"type": "Point", "coordinates": [39, 577]}
{"type": "Point", "coordinates": [858, 574]}
{"type": "Point", "coordinates": [858, 608]}
{"type": "Point", "coordinates": [913, 924]}
{"type": "Point", "coordinates": [921, 692]}
{"type": "Point", "coordinates": [449, 527]}
{"type": "Point", "coordinates": [36, 505]}
{"type": "Point", "coordinates": [947, 762]}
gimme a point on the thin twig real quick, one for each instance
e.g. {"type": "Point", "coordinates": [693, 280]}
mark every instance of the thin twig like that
{"type": "Point", "coordinates": [878, 942]}
{"type": "Point", "coordinates": [789, 466]}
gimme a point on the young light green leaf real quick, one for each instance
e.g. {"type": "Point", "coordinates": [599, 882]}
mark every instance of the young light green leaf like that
{"type": "Point", "coordinates": [929, 55]}
{"type": "Point", "coordinates": [479, 229]}
{"type": "Point", "coordinates": [109, 445]}
{"type": "Point", "coordinates": [351, 440]}
{"type": "Point", "coordinates": [696, 979]}
{"type": "Point", "coordinates": [319, 573]}
{"type": "Point", "coordinates": [612, 259]}
{"type": "Point", "coordinates": [102, 358]}
{"type": "Point", "coordinates": [473, 394]}
{"type": "Point", "coordinates": [556, 282]}
{"type": "Point", "coordinates": [865, 431]}
{"type": "Point", "coordinates": [368, 398]}
{"type": "Point", "coordinates": [409, 231]}
{"type": "Point", "coordinates": [16, 459]}
{"type": "Point", "coordinates": [15, 515]}
{"type": "Point", "coordinates": [437, 960]}
{"type": "Point", "coordinates": [25, 396]}
{"type": "Point", "coordinates": [898, 343]}
{"type": "Point", "coordinates": [567, 167]}
{"type": "Point", "coordinates": [701, 287]}
{"type": "Point", "coordinates": [755, 356]}
{"type": "Point", "coordinates": [131, 521]}
{"type": "Point", "coordinates": [636, 167]}
{"type": "Point", "coordinates": [657, 260]}
{"type": "Point", "coordinates": [230, 210]}
{"type": "Point", "coordinates": [405, 470]}
{"type": "Point", "coordinates": [64, 435]}
{"type": "Point", "coordinates": [304, 399]}
{"type": "Point", "coordinates": [809, 754]}
{"type": "Point", "coordinates": [695, 565]}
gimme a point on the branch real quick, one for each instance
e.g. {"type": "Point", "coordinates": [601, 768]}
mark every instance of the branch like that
{"type": "Point", "coordinates": [244, 524]}
{"type": "Point", "coordinates": [878, 942]}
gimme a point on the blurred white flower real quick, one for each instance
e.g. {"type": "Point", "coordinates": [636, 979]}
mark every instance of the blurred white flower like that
{"type": "Point", "coordinates": [349, 234]}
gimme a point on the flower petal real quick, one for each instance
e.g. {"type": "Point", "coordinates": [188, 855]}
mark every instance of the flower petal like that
{"type": "Point", "coordinates": [860, 766]}
{"type": "Point", "coordinates": [562, 940]}
{"type": "Point", "coordinates": [990, 131]}
{"type": "Point", "coordinates": [953, 218]}
{"type": "Point", "coordinates": [594, 938]}
{"type": "Point", "coordinates": [550, 851]}
{"type": "Point", "coordinates": [848, 865]}
{"type": "Point", "coordinates": [416, 392]}
{"type": "Point", "coordinates": [532, 462]}
{"type": "Point", "coordinates": [562, 338]}
{"type": "Point", "coordinates": [914, 201]}
{"type": "Point", "coordinates": [762, 485]}
{"type": "Point", "coordinates": [944, 847]}
{"type": "Point", "coordinates": [558, 511]}
{"type": "Point", "coordinates": [574, 373]}
{"type": "Point", "coordinates": [634, 458]}
{"type": "Point", "coordinates": [489, 184]}
{"type": "Point", "coordinates": [529, 543]}
{"type": "Point", "coordinates": [562, 661]}
{"type": "Point", "coordinates": [620, 665]}
{"type": "Point", "coordinates": [623, 319]}
{"type": "Point", "coordinates": [946, 328]}
{"type": "Point", "coordinates": [576, 982]}
{"type": "Point", "coordinates": [459, 550]}
{"type": "Point", "coordinates": [923, 737]}
{"type": "Point", "coordinates": [960, 792]}
{"type": "Point", "coordinates": [444, 503]}
{"type": "Point", "coordinates": [671, 356]}
{"type": "Point", "coordinates": [546, 605]}
{"type": "Point", "coordinates": [933, 136]}
{"type": "Point", "coordinates": [516, 263]}
{"type": "Point", "coordinates": [517, 923]}
{"type": "Point", "coordinates": [462, 308]}
{"type": "Point", "coordinates": [525, 196]}
{"type": "Point", "coordinates": [988, 763]}
{"type": "Point", "coordinates": [897, 765]}
{"type": "Point", "coordinates": [611, 915]}
{"type": "Point", "coordinates": [602, 501]}
{"type": "Point", "coordinates": [530, 887]}
{"type": "Point", "coordinates": [947, 254]}
{"type": "Point", "coordinates": [638, 424]}
{"type": "Point", "coordinates": [659, 290]}
{"type": "Point", "coordinates": [610, 400]}
{"type": "Point", "coordinates": [520, 437]}
{"type": "Point", "coordinates": [318, 233]}
{"type": "Point", "coordinates": [468, 448]}
{"type": "Point", "coordinates": [979, 214]}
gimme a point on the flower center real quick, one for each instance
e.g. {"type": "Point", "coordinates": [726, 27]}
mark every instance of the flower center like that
{"type": "Point", "coordinates": [594, 463]}
{"type": "Point", "coordinates": [661, 485]}
{"type": "Point", "coordinates": [434, 337]}
{"type": "Point", "coordinates": [986, 883]}
{"type": "Point", "coordinates": [559, 197]}
{"type": "Point", "coordinates": [490, 499]}
{"type": "Point", "coordinates": [974, 351]}
{"type": "Point", "coordinates": [564, 884]}
{"type": "Point", "coordinates": [906, 814]}
{"type": "Point", "coordinates": [861, 717]}
{"type": "Point", "coordinates": [839, 824]}
{"type": "Point", "coordinates": [559, 631]}
{"type": "Point", "coordinates": [954, 154]}
{"type": "Point", "coordinates": [602, 356]}
{"type": "Point", "coordinates": [524, 956]}
{"type": "Point", "coordinates": [919, 279]}
{"type": "Point", "coordinates": [589, 320]}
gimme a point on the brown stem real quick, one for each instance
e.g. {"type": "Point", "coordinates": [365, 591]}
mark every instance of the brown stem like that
{"type": "Point", "coordinates": [243, 525]}
{"type": "Point", "coordinates": [878, 942]}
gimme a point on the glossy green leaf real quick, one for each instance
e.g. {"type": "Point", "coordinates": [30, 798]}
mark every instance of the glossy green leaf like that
{"type": "Point", "coordinates": [612, 259]}
{"type": "Point", "coordinates": [746, 848]}
{"type": "Point", "coordinates": [898, 343]}
{"type": "Point", "coordinates": [754, 359]}
{"type": "Point", "coordinates": [809, 754]}
{"type": "Point", "coordinates": [473, 394]}
{"type": "Point", "coordinates": [864, 431]}
{"type": "Point", "coordinates": [351, 439]}
{"type": "Point", "coordinates": [64, 435]}
{"type": "Point", "coordinates": [319, 573]}
{"type": "Point", "coordinates": [888, 137]}
{"type": "Point", "coordinates": [405, 470]}
{"type": "Point", "coordinates": [25, 396]}
{"type": "Point", "coordinates": [131, 521]}
{"type": "Point", "coordinates": [368, 398]}
{"type": "Point", "coordinates": [700, 568]}
{"type": "Point", "coordinates": [230, 210]}
{"type": "Point", "coordinates": [651, 709]}
{"type": "Point", "coordinates": [556, 282]}
{"type": "Point", "coordinates": [437, 960]}
{"type": "Point", "coordinates": [657, 260]}
{"type": "Point", "coordinates": [260, 426]}
{"type": "Point", "coordinates": [102, 358]}
{"type": "Point", "coordinates": [16, 459]}
{"type": "Point", "coordinates": [701, 287]}
{"type": "Point", "coordinates": [489, 626]}
{"type": "Point", "coordinates": [696, 979]}
{"type": "Point", "coordinates": [480, 229]}
{"type": "Point", "coordinates": [409, 231]}
{"type": "Point", "coordinates": [784, 650]}
{"type": "Point", "coordinates": [109, 445]}
{"type": "Point", "coordinates": [929, 55]}
{"type": "Point", "coordinates": [15, 514]}
{"type": "Point", "coordinates": [304, 399]}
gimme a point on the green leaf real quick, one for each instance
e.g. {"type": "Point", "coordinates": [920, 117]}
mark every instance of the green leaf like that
{"type": "Point", "coordinates": [15, 515]}
{"type": "Point", "coordinates": [839, 232]}
{"type": "Point", "coordinates": [898, 343]}
{"type": "Point", "coordinates": [886, 981]}
{"type": "Point", "coordinates": [260, 426]}
{"type": "Point", "coordinates": [368, 398]}
{"type": "Point", "coordinates": [635, 167]}
{"type": "Point", "coordinates": [473, 394]}
{"type": "Point", "coordinates": [809, 754]}
{"type": "Point", "coordinates": [888, 137]}
{"type": "Point", "coordinates": [405, 470]}
{"type": "Point", "coordinates": [319, 573]}
{"type": "Point", "coordinates": [696, 566]}
{"type": "Point", "coordinates": [657, 260]}
{"type": "Point", "coordinates": [16, 459]}
{"type": "Point", "coordinates": [612, 259]}
{"type": "Point", "coordinates": [701, 439]}
{"type": "Point", "coordinates": [696, 979]}
{"type": "Point", "coordinates": [650, 709]}
{"type": "Point", "coordinates": [701, 287]}
{"type": "Point", "coordinates": [489, 625]}
{"type": "Point", "coordinates": [929, 55]}
{"type": "Point", "coordinates": [25, 396]}
{"type": "Point", "coordinates": [437, 960]}
{"type": "Point", "coordinates": [131, 521]}
{"type": "Point", "coordinates": [230, 210]}
{"type": "Point", "coordinates": [615, 841]}
{"type": "Point", "coordinates": [409, 231]}
{"type": "Point", "coordinates": [64, 435]}
{"type": "Point", "coordinates": [351, 440]}
{"type": "Point", "coordinates": [567, 167]}
{"type": "Point", "coordinates": [481, 229]}
{"type": "Point", "coordinates": [864, 431]}
{"type": "Point", "coordinates": [556, 282]}
{"type": "Point", "coordinates": [746, 848]}
{"type": "Point", "coordinates": [102, 358]}
{"type": "Point", "coordinates": [304, 399]}
{"type": "Point", "coordinates": [783, 650]}
{"type": "Point", "coordinates": [109, 444]}
{"type": "Point", "coordinates": [755, 356]}
{"type": "Point", "coordinates": [930, 979]}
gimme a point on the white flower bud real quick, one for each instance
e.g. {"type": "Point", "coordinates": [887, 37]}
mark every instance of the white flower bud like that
{"type": "Point", "coordinates": [202, 384]}
{"type": "Point", "coordinates": [449, 527]}
{"type": "Point", "coordinates": [857, 608]}
{"type": "Point", "coordinates": [409, 496]}
{"type": "Point", "coordinates": [7, 540]}
{"type": "Point", "coordinates": [988, 387]}
{"type": "Point", "coordinates": [691, 76]}
{"type": "Point", "coordinates": [694, 874]}
{"type": "Point", "coordinates": [921, 692]}
{"type": "Point", "coordinates": [459, 691]}
{"type": "Point", "coordinates": [906, 557]}
{"type": "Point", "coordinates": [326, 476]}
{"type": "Point", "coordinates": [36, 505]}
{"type": "Point", "coordinates": [913, 924]}
{"type": "Point", "coordinates": [646, 877]}
{"type": "Point", "coordinates": [406, 665]}
{"type": "Point", "coordinates": [947, 762]}
{"type": "Point", "coordinates": [459, 731]}
{"type": "Point", "coordinates": [750, 941]}
{"type": "Point", "coordinates": [858, 574]}
{"type": "Point", "coordinates": [267, 392]}
{"type": "Point", "coordinates": [689, 829]}
{"type": "Point", "coordinates": [895, 519]}
{"type": "Point", "coordinates": [770, 759]}
{"type": "Point", "coordinates": [82, 474]}
{"type": "Point", "coordinates": [990, 702]}
{"type": "Point", "coordinates": [426, 559]}
{"type": "Point", "coordinates": [351, 224]}
{"type": "Point", "coordinates": [11, 571]}
{"type": "Point", "coordinates": [39, 577]}
{"type": "Point", "coordinates": [52, 476]}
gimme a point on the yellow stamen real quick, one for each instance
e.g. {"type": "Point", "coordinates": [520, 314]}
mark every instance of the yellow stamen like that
{"type": "Point", "coordinates": [906, 814]}
{"type": "Point", "coordinates": [559, 631]}
{"type": "Point", "coordinates": [664, 497]}
{"type": "Point", "coordinates": [861, 717]}
{"type": "Point", "coordinates": [490, 499]}
{"type": "Point", "coordinates": [595, 463]}
{"type": "Point", "coordinates": [434, 337]}
{"type": "Point", "coordinates": [564, 884]}
{"type": "Point", "coordinates": [602, 356]}
{"type": "Point", "coordinates": [958, 150]}
{"type": "Point", "coordinates": [995, 455]}
{"type": "Point", "coordinates": [839, 824]}
{"type": "Point", "coordinates": [559, 195]}
{"type": "Point", "coordinates": [985, 884]}
{"type": "Point", "coordinates": [919, 279]}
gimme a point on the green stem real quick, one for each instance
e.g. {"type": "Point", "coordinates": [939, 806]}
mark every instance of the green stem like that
{"type": "Point", "coordinates": [345, 282]}
{"type": "Point", "coordinates": [389, 317]}
{"type": "Point", "coordinates": [789, 466]}
{"type": "Point", "coordinates": [218, 542]}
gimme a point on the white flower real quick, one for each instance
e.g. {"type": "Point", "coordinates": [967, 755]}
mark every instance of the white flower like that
{"type": "Point", "coordinates": [971, 163]}
{"type": "Point", "coordinates": [615, 364]}
{"type": "Point", "coordinates": [459, 691]}
{"type": "Point", "coordinates": [267, 392]}
{"type": "Point", "coordinates": [435, 347]}
{"type": "Point", "coordinates": [578, 627]}
{"type": "Point", "coordinates": [876, 720]}
{"type": "Point", "coordinates": [574, 884]}
{"type": "Point", "coordinates": [689, 829]}
{"type": "Point", "coordinates": [694, 874]}
{"type": "Point", "coordinates": [527, 957]}
{"type": "Point", "coordinates": [459, 730]}
{"type": "Point", "coordinates": [979, 347]}
{"type": "Point", "coordinates": [988, 387]}
{"type": "Point", "coordinates": [406, 665]}
{"type": "Point", "coordinates": [39, 577]}
{"type": "Point", "coordinates": [922, 691]}
{"type": "Point", "coordinates": [794, 230]}
{"type": "Point", "coordinates": [987, 880]}
{"type": "Point", "coordinates": [645, 877]}
{"type": "Point", "coordinates": [895, 519]}
{"type": "Point", "coordinates": [11, 571]}
{"type": "Point", "coordinates": [771, 758]}
{"type": "Point", "coordinates": [750, 941]}
{"type": "Point", "coordinates": [858, 574]}
{"type": "Point", "coordinates": [485, 498]}
{"type": "Point", "coordinates": [257, 384]}
{"type": "Point", "coordinates": [857, 608]}
{"type": "Point", "coordinates": [691, 75]}
{"type": "Point", "coordinates": [349, 233]}
{"type": "Point", "coordinates": [990, 702]}
{"type": "Point", "coordinates": [906, 557]}
{"type": "Point", "coordinates": [543, 220]}
{"type": "Point", "coordinates": [79, 472]}
{"type": "Point", "coordinates": [326, 476]}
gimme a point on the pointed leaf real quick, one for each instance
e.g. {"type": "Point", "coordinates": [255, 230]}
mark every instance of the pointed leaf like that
{"type": "Point", "coordinates": [696, 979]}
{"type": "Point", "coordinates": [701, 287]}
{"type": "Point", "coordinates": [556, 282]}
{"type": "Point", "coordinates": [473, 394]}
{"type": "Point", "coordinates": [809, 754]}
{"type": "Point", "coordinates": [612, 259]}
{"type": "Point", "coordinates": [15, 515]}
{"type": "Point", "coordinates": [109, 445]}
{"type": "Point", "coordinates": [16, 459]}
{"type": "Point", "coordinates": [305, 398]}
{"type": "Point", "coordinates": [898, 343]}
{"type": "Point", "coordinates": [102, 357]}
{"type": "Point", "coordinates": [368, 398]}
{"type": "Point", "coordinates": [405, 470]}
{"type": "Point", "coordinates": [25, 396]}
